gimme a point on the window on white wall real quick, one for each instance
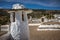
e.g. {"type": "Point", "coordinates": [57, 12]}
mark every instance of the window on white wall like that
{"type": "Point", "coordinates": [13, 16]}
{"type": "Point", "coordinates": [22, 16]}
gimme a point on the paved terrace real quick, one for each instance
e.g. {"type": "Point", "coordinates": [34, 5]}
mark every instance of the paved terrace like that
{"type": "Point", "coordinates": [38, 35]}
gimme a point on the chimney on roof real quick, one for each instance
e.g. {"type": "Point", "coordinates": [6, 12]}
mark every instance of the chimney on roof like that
{"type": "Point", "coordinates": [17, 6]}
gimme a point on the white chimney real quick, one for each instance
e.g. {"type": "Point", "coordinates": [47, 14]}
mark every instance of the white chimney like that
{"type": "Point", "coordinates": [17, 6]}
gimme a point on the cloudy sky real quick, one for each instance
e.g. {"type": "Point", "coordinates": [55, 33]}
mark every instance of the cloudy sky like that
{"type": "Point", "coordinates": [32, 4]}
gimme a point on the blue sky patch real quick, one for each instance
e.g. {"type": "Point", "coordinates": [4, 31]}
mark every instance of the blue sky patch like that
{"type": "Point", "coordinates": [32, 4]}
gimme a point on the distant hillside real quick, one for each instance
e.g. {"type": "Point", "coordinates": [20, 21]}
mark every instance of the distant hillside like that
{"type": "Point", "coordinates": [39, 13]}
{"type": "Point", "coordinates": [4, 17]}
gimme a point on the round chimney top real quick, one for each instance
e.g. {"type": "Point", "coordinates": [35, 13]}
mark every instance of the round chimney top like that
{"type": "Point", "coordinates": [17, 6]}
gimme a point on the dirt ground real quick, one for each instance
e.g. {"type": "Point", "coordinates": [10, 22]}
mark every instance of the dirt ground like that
{"type": "Point", "coordinates": [2, 32]}
{"type": "Point", "coordinates": [43, 35]}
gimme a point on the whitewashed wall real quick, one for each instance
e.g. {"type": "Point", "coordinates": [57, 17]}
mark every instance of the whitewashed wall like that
{"type": "Point", "coordinates": [5, 28]}
{"type": "Point", "coordinates": [19, 28]}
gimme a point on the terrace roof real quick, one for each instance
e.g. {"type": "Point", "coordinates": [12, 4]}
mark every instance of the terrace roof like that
{"type": "Point", "coordinates": [46, 23]}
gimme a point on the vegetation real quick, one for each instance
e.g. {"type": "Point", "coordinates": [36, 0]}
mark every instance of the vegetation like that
{"type": "Point", "coordinates": [4, 17]}
{"type": "Point", "coordinates": [40, 13]}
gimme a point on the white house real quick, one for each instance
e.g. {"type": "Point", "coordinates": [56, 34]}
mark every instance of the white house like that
{"type": "Point", "coordinates": [57, 17]}
{"type": "Point", "coordinates": [43, 19]}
